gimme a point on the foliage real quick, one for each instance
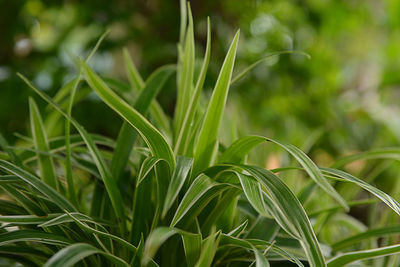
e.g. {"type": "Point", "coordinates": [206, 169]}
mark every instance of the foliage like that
{"type": "Point", "coordinates": [168, 191]}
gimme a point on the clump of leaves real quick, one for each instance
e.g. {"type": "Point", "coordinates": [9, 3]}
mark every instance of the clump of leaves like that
{"type": "Point", "coordinates": [165, 192]}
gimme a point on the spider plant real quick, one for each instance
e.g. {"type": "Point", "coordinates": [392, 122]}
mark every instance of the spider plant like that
{"type": "Point", "coordinates": [165, 192]}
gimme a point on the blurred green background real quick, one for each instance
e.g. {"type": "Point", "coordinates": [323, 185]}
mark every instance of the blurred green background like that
{"type": "Point", "coordinates": [344, 99]}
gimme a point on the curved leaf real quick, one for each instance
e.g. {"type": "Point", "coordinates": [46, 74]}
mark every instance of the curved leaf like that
{"type": "Point", "coordinates": [388, 200]}
{"type": "Point", "coordinates": [284, 206]}
{"type": "Point", "coordinates": [181, 172]}
{"type": "Point", "coordinates": [45, 189]}
{"type": "Point", "coordinates": [347, 258]}
{"type": "Point", "coordinates": [153, 138]}
{"type": "Point", "coordinates": [72, 254]}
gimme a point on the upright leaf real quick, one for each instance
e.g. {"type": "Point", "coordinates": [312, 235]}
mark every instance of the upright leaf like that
{"type": "Point", "coordinates": [148, 132]}
{"type": "Point", "coordinates": [179, 176]}
{"type": "Point", "coordinates": [207, 142]}
{"type": "Point", "coordinates": [41, 143]}
{"type": "Point", "coordinates": [185, 82]}
{"type": "Point", "coordinates": [133, 75]}
{"type": "Point", "coordinates": [182, 142]}
{"type": "Point", "coordinates": [127, 135]}
{"type": "Point", "coordinates": [105, 173]}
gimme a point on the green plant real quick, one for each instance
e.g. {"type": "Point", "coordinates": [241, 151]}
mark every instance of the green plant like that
{"type": "Point", "coordinates": [165, 192]}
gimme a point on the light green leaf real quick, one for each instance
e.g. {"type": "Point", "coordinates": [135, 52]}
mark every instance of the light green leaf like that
{"type": "Point", "coordinates": [245, 144]}
{"type": "Point", "coordinates": [253, 192]}
{"type": "Point", "coordinates": [27, 219]}
{"type": "Point", "coordinates": [156, 142]}
{"type": "Point", "coordinates": [342, 260]}
{"type": "Point", "coordinates": [313, 171]}
{"type": "Point", "coordinates": [181, 172]}
{"type": "Point", "coordinates": [200, 186]}
{"type": "Point", "coordinates": [72, 254]}
{"type": "Point", "coordinates": [45, 189]}
{"type": "Point", "coordinates": [388, 200]}
{"type": "Point", "coordinates": [147, 165]}
{"type": "Point", "coordinates": [238, 230]}
{"type": "Point", "coordinates": [228, 240]}
{"type": "Point", "coordinates": [288, 212]}
{"type": "Point", "coordinates": [41, 143]}
{"type": "Point", "coordinates": [356, 239]}
{"type": "Point", "coordinates": [209, 247]}
{"type": "Point", "coordinates": [384, 153]}
{"type": "Point", "coordinates": [158, 236]}
{"type": "Point", "coordinates": [255, 64]}
{"type": "Point", "coordinates": [127, 135]}
{"type": "Point", "coordinates": [32, 236]}
{"type": "Point", "coordinates": [207, 143]}
{"type": "Point", "coordinates": [105, 173]}
{"type": "Point", "coordinates": [92, 230]}
{"type": "Point", "coordinates": [182, 142]}
{"type": "Point", "coordinates": [237, 152]}
{"type": "Point", "coordinates": [133, 75]}
{"type": "Point", "coordinates": [185, 79]}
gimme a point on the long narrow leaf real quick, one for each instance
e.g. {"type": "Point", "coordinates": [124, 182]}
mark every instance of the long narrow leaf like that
{"type": "Point", "coordinates": [207, 143]}
{"type": "Point", "coordinates": [41, 143]}
{"type": "Point", "coordinates": [185, 82]}
{"type": "Point", "coordinates": [148, 132]}
{"type": "Point", "coordinates": [181, 144]}
{"type": "Point", "coordinates": [45, 189]}
{"type": "Point", "coordinates": [182, 169]}
{"type": "Point", "coordinates": [288, 212]}
{"type": "Point", "coordinates": [347, 258]}
{"type": "Point", "coordinates": [72, 254]}
{"type": "Point", "coordinates": [109, 182]}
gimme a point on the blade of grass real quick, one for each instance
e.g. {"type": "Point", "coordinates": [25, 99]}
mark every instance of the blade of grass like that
{"type": "Point", "coordinates": [198, 188]}
{"type": "Point", "coordinates": [245, 144]}
{"type": "Point", "coordinates": [237, 152]}
{"type": "Point", "coordinates": [27, 219]}
{"type": "Point", "coordinates": [32, 236]}
{"type": "Point", "coordinates": [4, 145]}
{"type": "Point", "coordinates": [252, 190]}
{"type": "Point", "coordinates": [355, 239]}
{"type": "Point", "coordinates": [158, 236]}
{"type": "Point", "coordinates": [45, 189]}
{"type": "Point", "coordinates": [147, 165]}
{"type": "Point", "coordinates": [148, 132]}
{"type": "Point", "coordinates": [23, 200]}
{"type": "Point", "coordinates": [185, 82]}
{"type": "Point", "coordinates": [238, 230]}
{"type": "Point", "coordinates": [388, 200]}
{"type": "Point", "coordinates": [41, 143]}
{"type": "Point", "coordinates": [207, 143]}
{"type": "Point", "coordinates": [182, 142]}
{"type": "Point", "coordinates": [68, 153]}
{"type": "Point", "coordinates": [288, 212]}
{"type": "Point", "coordinates": [127, 135]}
{"type": "Point", "coordinates": [255, 64]}
{"type": "Point", "coordinates": [250, 243]}
{"type": "Point", "coordinates": [208, 250]}
{"type": "Point", "coordinates": [133, 75]}
{"type": "Point", "coordinates": [72, 254]}
{"type": "Point", "coordinates": [385, 153]}
{"type": "Point", "coordinates": [350, 257]}
{"type": "Point", "coordinates": [109, 182]}
{"type": "Point", "coordinates": [181, 172]}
